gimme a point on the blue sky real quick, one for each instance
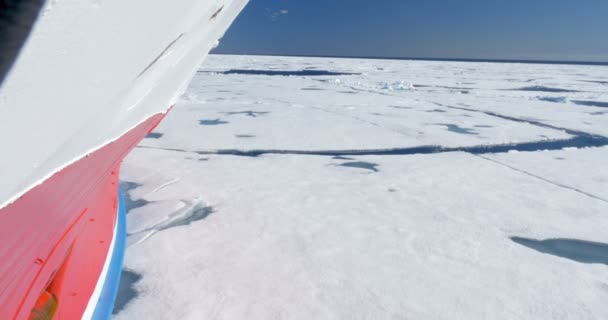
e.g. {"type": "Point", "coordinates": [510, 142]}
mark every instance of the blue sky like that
{"type": "Point", "coordinates": [470, 29]}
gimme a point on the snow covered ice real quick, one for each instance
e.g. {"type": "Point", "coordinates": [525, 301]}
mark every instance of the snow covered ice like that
{"type": "Point", "coordinates": [310, 188]}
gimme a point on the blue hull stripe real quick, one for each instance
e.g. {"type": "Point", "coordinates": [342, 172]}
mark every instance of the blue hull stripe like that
{"type": "Point", "coordinates": [104, 307]}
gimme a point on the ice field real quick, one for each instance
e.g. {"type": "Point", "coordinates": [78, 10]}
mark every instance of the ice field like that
{"type": "Point", "coordinates": [316, 188]}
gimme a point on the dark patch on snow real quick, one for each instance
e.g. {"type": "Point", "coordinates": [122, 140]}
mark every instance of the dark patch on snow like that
{"type": "Point", "coordinates": [441, 87]}
{"type": "Point", "coordinates": [126, 289]}
{"type": "Point", "coordinates": [213, 122]}
{"type": "Point", "coordinates": [482, 126]}
{"type": "Point", "coordinates": [437, 110]}
{"type": "Point", "coordinates": [400, 107]}
{"type": "Point", "coordinates": [531, 119]}
{"type": "Point", "coordinates": [554, 99]}
{"type": "Point", "coordinates": [376, 114]}
{"type": "Point", "coordinates": [594, 81]}
{"type": "Point", "coordinates": [134, 204]}
{"type": "Point", "coordinates": [244, 136]}
{"type": "Point", "coordinates": [154, 135]}
{"type": "Point", "coordinates": [197, 213]}
{"type": "Point", "coordinates": [342, 158]}
{"type": "Point", "coordinates": [313, 89]}
{"type": "Point", "coordinates": [577, 250]}
{"type": "Point", "coordinates": [295, 73]}
{"type": "Point", "coordinates": [598, 113]}
{"type": "Point", "coordinates": [590, 103]}
{"type": "Point", "coordinates": [248, 113]}
{"type": "Point", "coordinates": [203, 159]}
{"type": "Point", "coordinates": [543, 89]}
{"type": "Point", "coordinates": [180, 218]}
{"type": "Point", "coordinates": [130, 203]}
{"type": "Point", "coordinates": [457, 129]}
{"type": "Point", "coordinates": [349, 92]}
{"type": "Point", "coordinates": [559, 158]}
{"type": "Point", "coordinates": [392, 190]}
{"type": "Point", "coordinates": [127, 186]}
{"type": "Point", "coordinates": [455, 88]}
{"type": "Point", "coordinates": [360, 165]}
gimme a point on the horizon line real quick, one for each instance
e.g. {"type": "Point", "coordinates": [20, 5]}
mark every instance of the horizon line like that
{"type": "Point", "coordinates": [522, 61]}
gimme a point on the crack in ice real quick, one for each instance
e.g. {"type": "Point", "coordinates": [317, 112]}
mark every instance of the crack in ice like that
{"type": "Point", "coordinates": [544, 179]}
{"type": "Point", "coordinates": [574, 142]}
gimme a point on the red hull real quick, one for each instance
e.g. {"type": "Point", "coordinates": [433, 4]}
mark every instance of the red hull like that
{"type": "Point", "coordinates": [56, 237]}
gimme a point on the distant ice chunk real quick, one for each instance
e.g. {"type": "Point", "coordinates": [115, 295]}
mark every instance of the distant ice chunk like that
{"type": "Point", "coordinates": [399, 85]}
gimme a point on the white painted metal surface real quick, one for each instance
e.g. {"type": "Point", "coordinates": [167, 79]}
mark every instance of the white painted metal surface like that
{"type": "Point", "coordinates": [93, 69]}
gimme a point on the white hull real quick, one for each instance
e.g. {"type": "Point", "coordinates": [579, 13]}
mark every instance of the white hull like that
{"type": "Point", "coordinates": [90, 71]}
